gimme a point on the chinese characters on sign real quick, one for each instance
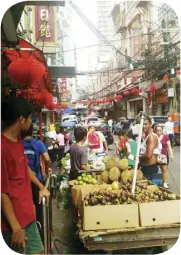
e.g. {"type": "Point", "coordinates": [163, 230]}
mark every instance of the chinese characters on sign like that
{"type": "Point", "coordinates": [45, 22]}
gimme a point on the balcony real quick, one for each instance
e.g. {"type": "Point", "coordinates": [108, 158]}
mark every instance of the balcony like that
{"type": "Point", "coordinates": [118, 18]}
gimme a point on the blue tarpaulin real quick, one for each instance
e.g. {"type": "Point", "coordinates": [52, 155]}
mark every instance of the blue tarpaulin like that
{"type": "Point", "coordinates": [67, 124]}
{"type": "Point", "coordinates": [68, 110]}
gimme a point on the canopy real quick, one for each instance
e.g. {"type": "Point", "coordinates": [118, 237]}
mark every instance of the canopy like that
{"type": "Point", "coordinates": [68, 110]}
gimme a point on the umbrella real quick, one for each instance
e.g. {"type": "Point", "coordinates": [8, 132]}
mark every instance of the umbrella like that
{"type": "Point", "coordinates": [68, 110]}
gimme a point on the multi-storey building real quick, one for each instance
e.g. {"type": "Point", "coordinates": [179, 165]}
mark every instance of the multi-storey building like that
{"type": "Point", "coordinates": [105, 27]}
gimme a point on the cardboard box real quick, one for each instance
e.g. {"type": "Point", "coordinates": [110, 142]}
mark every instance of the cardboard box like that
{"type": "Point", "coordinates": [110, 217]}
{"type": "Point", "coordinates": [158, 213]}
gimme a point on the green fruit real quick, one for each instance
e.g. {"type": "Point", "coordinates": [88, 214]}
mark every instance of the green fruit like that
{"type": "Point", "coordinates": [80, 182]}
{"type": "Point", "coordinates": [79, 178]}
{"type": "Point", "coordinates": [94, 181]}
{"type": "Point", "coordinates": [83, 175]}
{"type": "Point", "coordinates": [89, 176]}
{"type": "Point", "coordinates": [76, 183]}
{"type": "Point", "coordinates": [85, 179]}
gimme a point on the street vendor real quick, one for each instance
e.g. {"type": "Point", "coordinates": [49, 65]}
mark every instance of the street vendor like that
{"type": "Point", "coordinates": [78, 154]}
{"type": "Point", "coordinates": [149, 150]}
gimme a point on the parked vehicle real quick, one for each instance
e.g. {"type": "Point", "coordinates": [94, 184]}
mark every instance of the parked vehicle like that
{"type": "Point", "coordinates": [70, 118]}
{"type": "Point", "coordinates": [92, 121]}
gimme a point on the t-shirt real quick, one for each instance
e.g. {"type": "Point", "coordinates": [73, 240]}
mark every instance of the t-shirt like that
{"type": "Point", "coordinates": [60, 139]}
{"type": "Point", "coordinates": [78, 157]}
{"type": "Point", "coordinates": [169, 126]}
{"type": "Point", "coordinates": [102, 140]}
{"type": "Point", "coordinates": [110, 122]}
{"type": "Point", "coordinates": [15, 182]}
{"type": "Point", "coordinates": [164, 141]}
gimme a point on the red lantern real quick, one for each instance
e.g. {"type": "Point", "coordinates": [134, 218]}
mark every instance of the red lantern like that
{"type": "Point", "coordinates": [51, 106]}
{"type": "Point", "coordinates": [152, 88]}
{"type": "Point", "coordinates": [126, 93]}
{"type": "Point", "coordinates": [166, 78]}
{"type": "Point", "coordinates": [119, 97]}
{"type": "Point", "coordinates": [178, 72]}
{"type": "Point", "coordinates": [48, 97]}
{"type": "Point", "coordinates": [26, 70]}
{"type": "Point", "coordinates": [134, 91]}
{"type": "Point", "coordinates": [39, 97]}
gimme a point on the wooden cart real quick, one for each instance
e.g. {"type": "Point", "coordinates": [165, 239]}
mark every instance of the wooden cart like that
{"type": "Point", "coordinates": [160, 236]}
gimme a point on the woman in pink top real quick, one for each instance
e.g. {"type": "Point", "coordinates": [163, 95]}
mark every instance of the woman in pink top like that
{"type": "Point", "coordinates": [166, 150]}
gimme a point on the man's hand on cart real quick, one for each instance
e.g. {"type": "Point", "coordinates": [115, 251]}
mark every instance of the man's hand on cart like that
{"type": "Point", "coordinates": [44, 193]}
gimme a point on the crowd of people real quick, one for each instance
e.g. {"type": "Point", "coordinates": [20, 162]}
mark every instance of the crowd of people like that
{"type": "Point", "coordinates": [25, 163]}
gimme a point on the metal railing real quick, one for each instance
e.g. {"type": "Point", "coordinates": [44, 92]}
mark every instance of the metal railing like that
{"type": "Point", "coordinates": [47, 215]}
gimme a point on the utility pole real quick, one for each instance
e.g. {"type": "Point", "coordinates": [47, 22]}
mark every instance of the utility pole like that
{"type": "Point", "coordinates": [165, 40]}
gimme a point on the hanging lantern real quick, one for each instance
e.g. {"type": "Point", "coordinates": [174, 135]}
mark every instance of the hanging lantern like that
{"type": "Point", "coordinates": [126, 93]}
{"type": "Point", "coordinates": [48, 97]}
{"type": "Point", "coordinates": [39, 97]}
{"type": "Point", "coordinates": [134, 91]}
{"type": "Point", "coordinates": [119, 97]}
{"type": "Point", "coordinates": [26, 70]}
{"type": "Point", "coordinates": [166, 78]}
{"type": "Point", "coordinates": [178, 72]}
{"type": "Point", "coordinates": [152, 88]}
{"type": "Point", "coordinates": [51, 106]}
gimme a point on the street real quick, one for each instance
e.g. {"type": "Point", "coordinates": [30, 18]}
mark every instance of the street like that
{"type": "Point", "coordinates": [62, 219]}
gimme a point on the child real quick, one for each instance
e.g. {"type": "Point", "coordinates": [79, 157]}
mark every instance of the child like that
{"type": "Point", "coordinates": [78, 154]}
{"type": "Point", "coordinates": [120, 144]}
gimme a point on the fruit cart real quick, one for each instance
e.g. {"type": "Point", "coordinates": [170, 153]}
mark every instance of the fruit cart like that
{"type": "Point", "coordinates": [160, 236]}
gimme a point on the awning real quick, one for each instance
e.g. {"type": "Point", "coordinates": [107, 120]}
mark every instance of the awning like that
{"type": "Point", "coordinates": [25, 49]}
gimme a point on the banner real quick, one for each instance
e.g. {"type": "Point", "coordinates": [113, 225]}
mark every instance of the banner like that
{"type": "Point", "coordinates": [45, 27]}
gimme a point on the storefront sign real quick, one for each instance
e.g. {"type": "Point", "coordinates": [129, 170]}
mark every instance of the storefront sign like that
{"type": "Point", "coordinates": [45, 24]}
{"type": "Point", "coordinates": [170, 92]}
{"type": "Point", "coordinates": [161, 96]}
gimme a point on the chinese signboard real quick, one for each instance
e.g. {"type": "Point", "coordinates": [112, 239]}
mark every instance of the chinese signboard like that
{"type": "Point", "coordinates": [45, 25]}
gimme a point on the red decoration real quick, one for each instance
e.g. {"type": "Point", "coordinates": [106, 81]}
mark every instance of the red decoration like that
{"type": "Point", "coordinates": [152, 88]}
{"type": "Point", "coordinates": [26, 71]}
{"type": "Point", "coordinates": [48, 98]}
{"type": "Point", "coordinates": [178, 72]}
{"type": "Point", "coordinates": [51, 106]}
{"type": "Point", "coordinates": [140, 90]}
{"type": "Point", "coordinates": [166, 78]}
{"type": "Point", "coordinates": [126, 93]}
{"type": "Point", "coordinates": [119, 97]}
{"type": "Point", "coordinates": [135, 91]}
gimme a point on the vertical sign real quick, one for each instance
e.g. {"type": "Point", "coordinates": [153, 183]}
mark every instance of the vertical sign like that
{"type": "Point", "coordinates": [45, 27]}
{"type": "Point", "coordinates": [64, 85]}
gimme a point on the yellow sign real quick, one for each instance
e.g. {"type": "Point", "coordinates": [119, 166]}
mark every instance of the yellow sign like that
{"type": "Point", "coordinates": [45, 31]}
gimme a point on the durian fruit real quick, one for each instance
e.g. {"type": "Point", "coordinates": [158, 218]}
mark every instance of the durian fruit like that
{"type": "Point", "coordinates": [114, 174]}
{"type": "Point", "coordinates": [139, 175]}
{"type": "Point", "coordinates": [123, 164]}
{"type": "Point", "coordinates": [105, 176]}
{"type": "Point", "coordinates": [111, 162]}
{"type": "Point", "coordinates": [125, 176]}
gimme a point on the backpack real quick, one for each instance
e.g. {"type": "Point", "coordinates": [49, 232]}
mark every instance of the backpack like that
{"type": "Point", "coordinates": [33, 156]}
{"type": "Point", "coordinates": [94, 141]}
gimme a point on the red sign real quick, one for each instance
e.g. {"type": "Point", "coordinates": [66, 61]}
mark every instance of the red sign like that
{"type": "Point", "coordinates": [45, 24]}
{"type": "Point", "coordinates": [64, 85]}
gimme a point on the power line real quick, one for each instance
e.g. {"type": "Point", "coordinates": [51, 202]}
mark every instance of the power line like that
{"type": "Point", "coordinates": [160, 7]}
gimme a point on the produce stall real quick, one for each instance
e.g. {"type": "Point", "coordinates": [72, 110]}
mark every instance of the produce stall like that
{"type": "Point", "coordinates": [112, 217]}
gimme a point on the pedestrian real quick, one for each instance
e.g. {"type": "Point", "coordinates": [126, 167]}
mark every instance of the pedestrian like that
{"type": "Point", "coordinates": [110, 124]}
{"type": "Point", "coordinates": [149, 151]}
{"type": "Point", "coordinates": [51, 149]}
{"type": "Point", "coordinates": [120, 144]}
{"type": "Point", "coordinates": [166, 150]}
{"type": "Point", "coordinates": [169, 130]}
{"type": "Point", "coordinates": [18, 217]}
{"type": "Point", "coordinates": [131, 149]}
{"type": "Point", "coordinates": [34, 149]}
{"type": "Point", "coordinates": [78, 154]}
{"type": "Point", "coordinates": [154, 127]}
{"type": "Point", "coordinates": [103, 142]}
{"type": "Point", "coordinates": [60, 141]}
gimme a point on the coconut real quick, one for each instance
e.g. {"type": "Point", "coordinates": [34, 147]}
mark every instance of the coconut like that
{"type": "Point", "coordinates": [123, 164]}
{"type": "Point", "coordinates": [105, 176]}
{"type": "Point", "coordinates": [114, 174]}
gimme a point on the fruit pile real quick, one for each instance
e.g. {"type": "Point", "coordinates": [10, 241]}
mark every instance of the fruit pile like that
{"type": "Point", "coordinates": [85, 179]}
{"type": "Point", "coordinates": [63, 161]}
{"type": "Point", "coordinates": [121, 194]}
{"type": "Point", "coordinates": [118, 171]}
